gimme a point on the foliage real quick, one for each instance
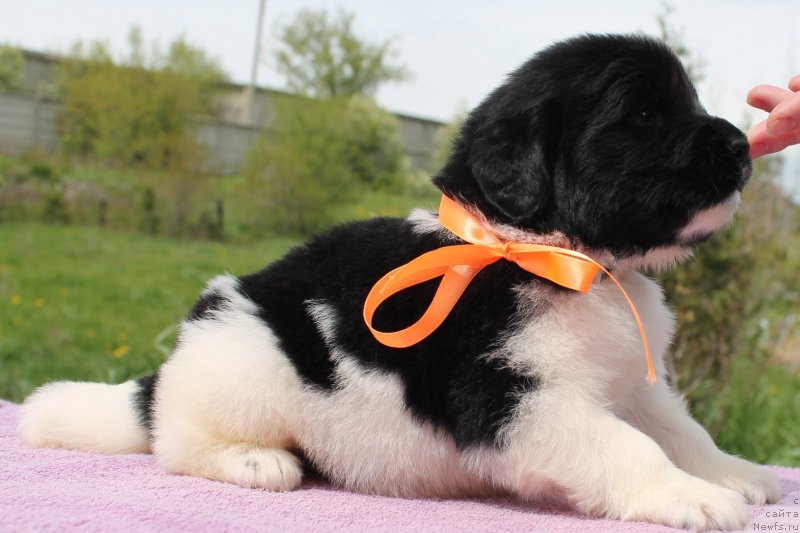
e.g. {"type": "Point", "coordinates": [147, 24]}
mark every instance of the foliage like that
{"type": "Point", "coordinates": [12, 68]}
{"type": "Point", "coordinates": [674, 38]}
{"type": "Point", "coordinates": [322, 153]}
{"type": "Point", "coordinates": [137, 111]}
{"type": "Point", "coordinates": [321, 56]}
{"type": "Point", "coordinates": [446, 136]}
{"type": "Point", "coordinates": [757, 417]}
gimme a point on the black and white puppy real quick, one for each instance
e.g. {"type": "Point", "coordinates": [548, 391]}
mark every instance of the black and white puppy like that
{"type": "Point", "coordinates": [597, 143]}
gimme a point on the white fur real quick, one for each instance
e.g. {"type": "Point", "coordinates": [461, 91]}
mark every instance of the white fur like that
{"type": "Point", "coordinates": [424, 221]}
{"type": "Point", "coordinates": [83, 416]}
{"type": "Point", "coordinates": [711, 219]}
{"type": "Point", "coordinates": [362, 436]}
{"type": "Point", "coordinates": [225, 386]}
{"type": "Point", "coordinates": [701, 224]}
{"type": "Point", "coordinates": [570, 434]}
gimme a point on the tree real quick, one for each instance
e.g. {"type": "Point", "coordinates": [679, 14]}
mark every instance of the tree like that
{"type": "Point", "coordinates": [12, 68]}
{"type": "Point", "coordinates": [675, 39]}
{"type": "Point", "coordinates": [136, 111]}
{"type": "Point", "coordinates": [447, 135]}
{"type": "Point", "coordinates": [323, 152]}
{"type": "Point", "coordinates": [321, 56]}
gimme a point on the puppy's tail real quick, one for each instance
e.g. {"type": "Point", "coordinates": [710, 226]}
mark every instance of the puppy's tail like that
{"type": "Point", "coordinates": [94, 417]}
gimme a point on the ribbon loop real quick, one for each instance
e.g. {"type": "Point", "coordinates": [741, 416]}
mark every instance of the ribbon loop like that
{"type": "Point", "coordinates": [458, 265]}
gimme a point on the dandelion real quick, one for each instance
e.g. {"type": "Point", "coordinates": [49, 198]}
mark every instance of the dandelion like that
{"type": "Point", "coordinates": [120, 350]}
{"type": "Point", "coordinates": [39, 303]}
{"type": "Point", "coordinates": [16, 299]}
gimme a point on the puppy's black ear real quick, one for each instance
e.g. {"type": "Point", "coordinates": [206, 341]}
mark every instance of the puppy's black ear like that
{"type": "Point", "coordinates": [503, 160]}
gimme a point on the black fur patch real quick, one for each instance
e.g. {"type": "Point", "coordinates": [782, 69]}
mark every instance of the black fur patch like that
{"type": "Point", "coordinates": [601, 138]}
{"type": "Point", "coordinates": [205, 306]}
{"type": "Point", "coordinates": [143, 400]}
{"type": "Point", "coordinates": [446, 380]}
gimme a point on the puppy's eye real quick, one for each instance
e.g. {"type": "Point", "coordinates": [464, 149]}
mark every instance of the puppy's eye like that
{"type": "Point", "coordinates": [644, 117]}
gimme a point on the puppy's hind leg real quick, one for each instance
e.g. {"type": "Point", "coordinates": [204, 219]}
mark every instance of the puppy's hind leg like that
{"type": "Point", "coordinates": [225, 405]}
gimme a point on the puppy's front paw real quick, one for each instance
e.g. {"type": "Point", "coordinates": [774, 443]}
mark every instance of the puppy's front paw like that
{"type": "Point", "coordinates": [754, 482]}
{"type": "Point", "coordinates": [687, 502]}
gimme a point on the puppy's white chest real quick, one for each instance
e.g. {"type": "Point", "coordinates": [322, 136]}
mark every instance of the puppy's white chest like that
{"type": "Point", "coordinates": [592, 340]}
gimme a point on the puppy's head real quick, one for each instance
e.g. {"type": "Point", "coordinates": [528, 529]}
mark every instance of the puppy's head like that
{"type": "Point", "coordinates": [601, 138]}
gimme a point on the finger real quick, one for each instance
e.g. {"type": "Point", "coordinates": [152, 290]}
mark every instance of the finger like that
{"type": "Point", "coordinates": [785, 117]}
{"type": "Point", "coordinates": [794, 83]}
{"type": "Point", "coordinates": [784, 141]}
{"type": "Point", "coordinates": [762, 143]}
{"type": "Point", "coordinates": [759, 140]}
{"type": "Point", "coordinates": [766, 97]}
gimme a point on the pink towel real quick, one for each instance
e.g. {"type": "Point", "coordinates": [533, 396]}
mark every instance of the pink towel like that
{"type": "Point", "coordinates": [59, 490]}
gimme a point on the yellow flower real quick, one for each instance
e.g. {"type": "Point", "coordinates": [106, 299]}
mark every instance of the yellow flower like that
{"type": "Point", "coordinates": [121, 350]}
{"type": "Point", "coordinates": [16, 299]}
{"type": "Point", "coordinates": [90, 333]}
{"type": "Point", "coordinates": [772, 390]}
{"type": "Point", "coordinates": [39, 302]}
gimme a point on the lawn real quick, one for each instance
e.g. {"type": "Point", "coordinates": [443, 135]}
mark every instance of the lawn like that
{"type": "Point", "coordinates": [93, 304]}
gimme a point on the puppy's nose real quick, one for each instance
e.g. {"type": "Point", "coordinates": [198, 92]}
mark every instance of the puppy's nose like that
{"type": "Point", "coordinates": [739, 147]}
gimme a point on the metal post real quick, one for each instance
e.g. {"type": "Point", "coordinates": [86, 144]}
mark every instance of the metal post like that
{"type": "Point", "coordinates": [250, 94]}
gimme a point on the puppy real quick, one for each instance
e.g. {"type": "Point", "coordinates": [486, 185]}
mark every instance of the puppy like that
{"type": "Point", "coordinates": [598, 144]}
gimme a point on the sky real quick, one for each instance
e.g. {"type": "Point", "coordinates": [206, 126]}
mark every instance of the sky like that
{"type": "Point", "coordinates": [457, 51]}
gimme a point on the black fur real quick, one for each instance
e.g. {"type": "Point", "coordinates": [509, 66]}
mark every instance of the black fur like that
{"type": "Point", "coordinates": [446, 383]}
{"type": "Point", "coordinates": [205, 306]}
{"type": "Point", "coordinates": [601, 138]}
{"type": "Point", "coordinates": [143, 400]}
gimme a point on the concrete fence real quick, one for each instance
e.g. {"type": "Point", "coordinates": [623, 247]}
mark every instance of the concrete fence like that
{"type": "Point", "coordinates": [28, 122]}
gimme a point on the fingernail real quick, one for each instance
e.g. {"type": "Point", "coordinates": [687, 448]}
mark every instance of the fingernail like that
{"type": "Point", "coordinates": [782, 125]}
{"type": "Point", "coordinates": [758, 149]}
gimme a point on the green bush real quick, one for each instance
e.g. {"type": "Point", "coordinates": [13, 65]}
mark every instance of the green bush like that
{"type": "Point", "coordinates": [12, 68]}
{"type": "Point", "coordinates": [136, 112]}
{"type": "Point", "coordinates": [319, 154]}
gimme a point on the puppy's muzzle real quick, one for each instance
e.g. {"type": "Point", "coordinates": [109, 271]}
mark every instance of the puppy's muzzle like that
{"type": "Point", "coordinates": [729, 149]}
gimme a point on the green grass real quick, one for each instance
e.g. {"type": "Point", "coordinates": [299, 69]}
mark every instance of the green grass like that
{"type": "Point", "coordinates": [373, 203]}
{"type": "Point", "coordinates": [759, 417]}
{"type": "Point", "coordinates": [99, 305]}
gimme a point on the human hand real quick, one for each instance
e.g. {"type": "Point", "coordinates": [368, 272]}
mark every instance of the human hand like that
{"type": "Point", "coordinates": [782, 127]}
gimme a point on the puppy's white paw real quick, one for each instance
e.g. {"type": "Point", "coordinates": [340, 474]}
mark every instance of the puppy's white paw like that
{"type": "Point", "coordinates": [268, 468]}
{"type": "Point", "coordinates": [754, 482]}
{"type": "Point", "coordinates": [682, 501]}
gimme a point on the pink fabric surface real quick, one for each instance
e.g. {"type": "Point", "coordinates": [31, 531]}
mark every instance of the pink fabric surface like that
{"type": "Point", "coordinates": [59, 490]}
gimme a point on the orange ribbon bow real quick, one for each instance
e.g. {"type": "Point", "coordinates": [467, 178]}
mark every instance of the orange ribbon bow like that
{"type": "Point", "coordinates": [459, 264]}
